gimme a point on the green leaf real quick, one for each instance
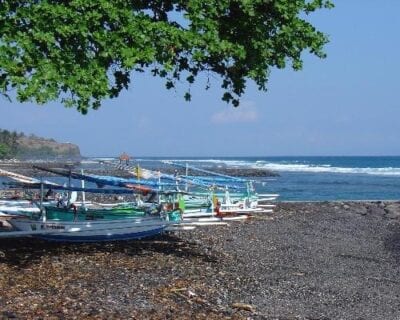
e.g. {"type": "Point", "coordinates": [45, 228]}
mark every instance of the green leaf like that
{"type": "Point", "coordinates": [82, 52]}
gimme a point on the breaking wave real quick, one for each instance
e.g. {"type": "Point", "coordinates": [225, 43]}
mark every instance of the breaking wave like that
{"type": "Point", "coordinates": [295, 166]}
{"type": "Point", "coordinates": [281, 165]}
{"type": "Point", "coordinates": [328, 169]}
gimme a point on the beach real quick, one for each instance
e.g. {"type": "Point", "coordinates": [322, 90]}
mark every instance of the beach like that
{"type": "Point", "coordinates": [173, 160]}
{"type": "Point", "coordinates": [199, 160]}
{"type": "Point", "coordinates": [306, 260]}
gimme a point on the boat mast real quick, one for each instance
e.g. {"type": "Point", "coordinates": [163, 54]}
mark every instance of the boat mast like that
{"type": "Point", "coordinates": [186, 174]}
{"type": "Point", "coordinates": [138, 197]}
{"type": "Point", "coordinates": [69, 187]}
{"type": "Point", "coordinates": [83, 192]}
{"type": "Point", "coordinates": [43, 212]}
{"type": "Point", "coordinates": [159, 187]}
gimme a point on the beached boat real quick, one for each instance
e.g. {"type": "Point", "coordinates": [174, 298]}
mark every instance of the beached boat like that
{"type": "Point", "coordinates": [83, 213]}
{"type": "Point", "coordinates": [80, 224]}
{"type": "Point", "coordinates": [69, 222]}
{"type": "Point", "coordinates": [20, 210]}
{"type": "Point", "coordinates": [193, 201]}
{"type": "Point", "coordinates": [91, 230]}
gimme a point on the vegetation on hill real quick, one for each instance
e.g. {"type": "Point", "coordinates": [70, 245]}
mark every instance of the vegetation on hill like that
{"type": "Point", "coordinates": [20, 146]}
{"type": "Point", "coordinates": [8, 143]}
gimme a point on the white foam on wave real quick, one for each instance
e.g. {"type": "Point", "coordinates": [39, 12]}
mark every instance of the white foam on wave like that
{"type": "Point", "coordinates": [297, 166]}
{"type": "Point", "coordinates": [292, 167]}
{"type": "Point", "coordinates": [230, 163]}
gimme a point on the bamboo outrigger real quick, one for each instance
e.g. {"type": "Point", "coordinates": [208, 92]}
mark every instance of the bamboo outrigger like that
{"type": "Point", "coordinates": [134, 220]}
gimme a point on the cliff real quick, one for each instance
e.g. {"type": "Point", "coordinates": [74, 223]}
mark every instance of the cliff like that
{"type": "Point", "coordinates": [19, 146]}
{"type": "Point", "coordinates": [35, 147]}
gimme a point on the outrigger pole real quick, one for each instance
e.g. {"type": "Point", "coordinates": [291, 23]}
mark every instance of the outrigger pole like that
{"type": "Point", "coordinates": [42, 211]}
{"type": "Point", "coordinates": [83, 192]}
{"type": "Point", "coordinates": [207, 171]}
{"type": "Point", "coordinates": [69, 186]}
{"type": "Point", "coordinates": [187, 173]}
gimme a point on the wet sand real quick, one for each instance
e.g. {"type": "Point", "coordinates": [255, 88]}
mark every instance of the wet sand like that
{"type": "Point", "coordinates": [316, 260]}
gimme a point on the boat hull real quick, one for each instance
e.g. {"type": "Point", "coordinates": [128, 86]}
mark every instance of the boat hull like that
{"type": "Point", "coordinates": [92, 231]}
{"type": "Point", "coordinates": [61, 214]}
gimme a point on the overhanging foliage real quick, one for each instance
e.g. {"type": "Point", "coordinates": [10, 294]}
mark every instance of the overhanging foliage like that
{"type": "Point", "coordinates": [85, 51]}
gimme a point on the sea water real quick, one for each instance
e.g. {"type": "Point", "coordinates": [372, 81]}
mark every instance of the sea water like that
{"type": "Point", "coordinates": [302, 178]}
{"type": "Point", "coordinates": [318, 178]}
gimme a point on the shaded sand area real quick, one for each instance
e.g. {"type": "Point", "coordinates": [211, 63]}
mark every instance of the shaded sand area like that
{"type": "Point", "coordinates": [327, 260]}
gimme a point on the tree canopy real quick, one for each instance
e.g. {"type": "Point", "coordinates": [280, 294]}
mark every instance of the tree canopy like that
{"type": "Point", "coordinates": [83, 52]}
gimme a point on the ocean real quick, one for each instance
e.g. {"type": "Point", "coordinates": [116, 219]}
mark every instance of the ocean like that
{"type": "Point", "coordinates": [305, 178]}
{"type": "Point", "coordinates": [318, 178]}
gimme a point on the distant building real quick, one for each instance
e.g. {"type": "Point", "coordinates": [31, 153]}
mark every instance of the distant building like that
{"type": "Point", "coordinates": [124, 157]}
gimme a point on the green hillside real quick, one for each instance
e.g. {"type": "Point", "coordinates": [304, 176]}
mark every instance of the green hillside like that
{"type": "Point", "coordinates": [16, 145]}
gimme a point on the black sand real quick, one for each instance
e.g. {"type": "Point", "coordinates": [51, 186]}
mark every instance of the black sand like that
{"type": "Point", "coordinates": [306, 261]}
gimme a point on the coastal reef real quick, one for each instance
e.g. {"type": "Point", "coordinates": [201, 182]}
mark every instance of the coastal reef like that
{"type": "Point", "coordinates": [27, 168]}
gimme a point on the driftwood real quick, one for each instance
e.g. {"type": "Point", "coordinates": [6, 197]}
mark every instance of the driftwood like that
{"type": "Point", "coordinates": [243, 306]}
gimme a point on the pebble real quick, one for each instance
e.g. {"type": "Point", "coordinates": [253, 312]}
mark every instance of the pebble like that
{"type": "Point", "coordinates": [322, 264]}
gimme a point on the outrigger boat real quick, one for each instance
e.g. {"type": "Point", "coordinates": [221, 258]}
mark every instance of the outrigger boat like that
{"type": "Point", "coordinates": [90, 230]}
{"type": "Point", "coordinates": [212, 203]}
{"type": "Point", "coordinates": [63, 224]}
{"type": "Point", "coordinates": [134, 220]}
{"type": "Point", "coordinates": [84, 224]}
{"type": "Point", "coordinates": [202, 202]}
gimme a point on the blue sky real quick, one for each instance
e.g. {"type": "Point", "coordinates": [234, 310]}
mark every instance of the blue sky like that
{"type": "Point", "coordinates": [346, 104]}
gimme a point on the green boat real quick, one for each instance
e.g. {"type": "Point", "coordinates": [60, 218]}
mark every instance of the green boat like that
{"type": "Point", "coordinates": [116, 213]}
{"type": "Point", "coordinates": [82, 214]}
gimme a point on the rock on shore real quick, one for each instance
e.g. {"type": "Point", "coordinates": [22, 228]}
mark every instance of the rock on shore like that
{"type": "Point", "coordinates": [326, 260]}
{"type": "Point", "coordinates": [27, 168]}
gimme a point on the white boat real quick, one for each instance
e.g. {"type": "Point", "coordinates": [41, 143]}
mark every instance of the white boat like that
{"type": "Point", "coordinates": [216, 219]}
{"type": "Point", "coordinates": [226, 210]}
{"type": "Point", "coordinates": [89, 231]}
{"type": "Point", "coordinates": [197, 213]}
{"type": "Point", "coordinates": [6, 202]}
{"type": "Point", "coordinates": [19, 209]}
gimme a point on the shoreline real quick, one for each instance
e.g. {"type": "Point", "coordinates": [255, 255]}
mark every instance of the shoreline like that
{"type": "Point", "coordinates": [337, 201]}
{"type": "Point", "coordinates": [306, 260]}
{"type": "Point", "coordinates": [26, 168]}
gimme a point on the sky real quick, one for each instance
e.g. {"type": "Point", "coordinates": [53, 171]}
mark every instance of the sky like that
{"type": "Point", "coordinates": [346, 104]}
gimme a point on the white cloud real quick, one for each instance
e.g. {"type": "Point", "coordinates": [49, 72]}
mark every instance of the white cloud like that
{"type": "Point", "coordinates": [246, 112]}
